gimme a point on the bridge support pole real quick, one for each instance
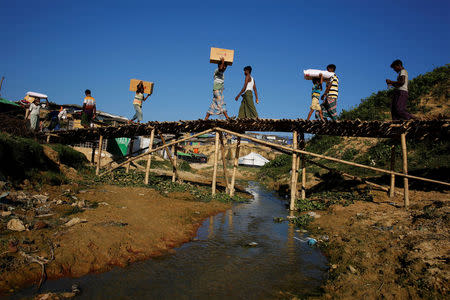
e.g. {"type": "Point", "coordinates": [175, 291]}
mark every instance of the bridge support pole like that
{"type": "Point", "coordinates": [294, 171]}
{"type": "Point", "coordinates": [130, 146]}
{"type": "Point", "coordinates": [149, 158]}
{"type": "Point", "coordinates": [216, 158]}
{"type": "Point", "coordinates": [224, 162]}
{"type": "Point", "coordinates": [174, 154]}
{"type": "Point", "coordinates": [392, 187]}
{"type": "Point", "coordinates": [99, 155]}
{"type": "Point", "coordinates": [235, 165]}
{"type": "Point", "coordinates": [405, 170]}
{"type": "Point", "coordinates": [303, 165]}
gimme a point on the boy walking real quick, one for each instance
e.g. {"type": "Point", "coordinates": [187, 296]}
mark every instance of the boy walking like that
{"type": "Point", "coordinates": [218, 105]}
{"type": "Point", "coordinates": [315, 94]}
{"type": "Point", "coordinates": [89, 110]}
{"type": "Point", "coordinates": [400, 99]}
{"type": "Point", "coordinates": [329, 97]}
{"type": "Point", "coordinates": [247, 108]}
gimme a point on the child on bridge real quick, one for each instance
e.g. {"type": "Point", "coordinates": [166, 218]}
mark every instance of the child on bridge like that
{"type": "Point", "coordinates": [315, 94]}
{"type": "Point", "coordinates": [218, 105]}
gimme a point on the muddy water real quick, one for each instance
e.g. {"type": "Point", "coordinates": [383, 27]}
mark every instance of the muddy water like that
{"type": "Point", "coordinates": [218, 264]}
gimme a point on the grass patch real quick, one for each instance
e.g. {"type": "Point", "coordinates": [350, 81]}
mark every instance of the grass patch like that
{"type": "Point", "coordinates": [72, 211]}
{"type": "Point", "coordinates": [70, 156]}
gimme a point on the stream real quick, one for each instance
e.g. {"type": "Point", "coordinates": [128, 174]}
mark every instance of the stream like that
{"type": "Point", "coordinates": [218, 263]}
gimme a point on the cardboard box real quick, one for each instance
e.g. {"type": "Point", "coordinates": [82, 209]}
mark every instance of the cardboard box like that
{"type": "Point", "coordinates": [148, 86]}
{"type": "Point", "coordinates": [217, 54]}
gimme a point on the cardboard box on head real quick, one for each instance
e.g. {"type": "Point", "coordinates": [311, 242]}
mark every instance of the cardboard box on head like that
{"type": "Point", "coordinates": [148, 86]}
{"type": "Point", "coordinates": [217, 54]}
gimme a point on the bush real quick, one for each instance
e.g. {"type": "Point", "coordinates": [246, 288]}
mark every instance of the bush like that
{"type": "Point", "coordinates": [184, 166]}
{"type": "Point", "coordinates": [21, 158]}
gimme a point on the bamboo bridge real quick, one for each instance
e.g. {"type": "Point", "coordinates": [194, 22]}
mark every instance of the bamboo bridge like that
{"type": "Point", "coordinates": [183, 131]}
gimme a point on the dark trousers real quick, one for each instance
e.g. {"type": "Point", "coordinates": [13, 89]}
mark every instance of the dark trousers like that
{"type": "Point", "coordinates": [398, 106]}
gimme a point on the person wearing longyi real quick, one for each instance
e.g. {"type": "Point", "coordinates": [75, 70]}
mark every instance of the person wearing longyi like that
{"type": "Point", "coordinates": [400, 99]}
{"type": "Point", "coordinates": [137, 102]}
{"type": "Point", "coordinates": [247, 108]}
{"type": "Point", "coordinates": [89, 110]}
{"type": "Point", "coordinates": [329, 97]}
{"type": "Point", "coordinates": [218, 105]}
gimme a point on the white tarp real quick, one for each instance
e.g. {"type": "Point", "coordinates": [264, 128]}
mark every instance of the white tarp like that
{"type": "Point", "coordinates": [37, 95]}
{"type": "Point", "coordinates": [313, 73]}
{"type": "Point", "coordinates": [253, 159]}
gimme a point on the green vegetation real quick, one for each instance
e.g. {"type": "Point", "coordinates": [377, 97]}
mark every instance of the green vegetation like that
{"type": "Point", "coordinates": [165, 186]}
{"type": "Point", "coordinates": [276, 168]}
{"type": "Point", "coordinates": [377, 106]}
{"type": "Point", "coordinates": [70, 157]}
{"type": "Point", "coordinates": [22, 158]}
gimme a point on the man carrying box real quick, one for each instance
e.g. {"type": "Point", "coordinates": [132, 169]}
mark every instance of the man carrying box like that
{"type": "Point", "coordinates": [218, 105]}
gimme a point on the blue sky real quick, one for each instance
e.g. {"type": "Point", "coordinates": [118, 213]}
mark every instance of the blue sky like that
{"type": "Point", "coordinates": [63, 47]}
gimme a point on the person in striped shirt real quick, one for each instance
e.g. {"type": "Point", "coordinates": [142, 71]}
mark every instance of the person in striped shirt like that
{"type": "Point", "coordinates": [137, 102]}
{"type": "Point", "coordinates": [89, 110]}
{"type": "Point", "coordinates": [329, 97]}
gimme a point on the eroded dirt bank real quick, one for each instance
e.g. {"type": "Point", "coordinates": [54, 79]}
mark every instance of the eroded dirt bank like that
{"type": "Point", "coordinates": [379, 251]}
{"type": "Point", "coordinates": [126, 224]}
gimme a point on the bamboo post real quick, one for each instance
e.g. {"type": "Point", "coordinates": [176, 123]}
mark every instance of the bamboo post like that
{"type": "Point", "coordinates": [48, 138]}
{"type": "Point", "coordinates": [294, 171]}
{"type": "Point", "coordinates": [174, 153]}
{"type": "Point", "coordinates": [93, 154]}
{"type": "Point", "coordinates": [405, 170]}
{"type": "Point", "coordinates": [224, 163]}
{"type": "Point", "coordinates": [303, 165]}
{"type": "Point", "coordinates": [235, 165]}
{"type": "Point", "coordinates": [174, 166]}
{"type": "Point", "coordinates": [392, 187]}
{"type": "Point", "coordinates": [130, 146]}
{"type": "Point", "coordinates": [290, 149]}
{"type": "Point", "coordinates": [216, 156]}
{"type": "Point", "coordinates": [99, 154]}
{"type": "Point", "coordinates": [149, 158]}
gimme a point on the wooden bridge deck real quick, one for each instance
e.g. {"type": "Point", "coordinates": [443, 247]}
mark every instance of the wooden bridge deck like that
{"type": "Point", "coordinates": [434, 129]}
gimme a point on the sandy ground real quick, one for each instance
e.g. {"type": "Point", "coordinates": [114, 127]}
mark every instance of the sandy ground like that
{"type": "Point", "coordinates": [379, 250]}
{"type": "Point", "coordinates": [130, 224]}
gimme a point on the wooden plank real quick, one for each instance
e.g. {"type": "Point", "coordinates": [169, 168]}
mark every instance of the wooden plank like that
{"type": "Point", "coordinates": [405, 170]}
{"type": "Point", "coordinates": [392, 186]}
{"type": "Point", "coordinates": [216, 156]}
{"type": "Point", "coordinates": [99, 155]}
{"type": "Point", "coordinates": [294, 171]}
{"type": "Point", "coordinates": [166, 146]}
{"type": "Point", "coordinates": [148, 86]}
{"type": "Point", "coordinates": [224, 163]}
{"type": "Point", "coordinates": [235, 165]}
{"type": "Point", "coordinates": [149, 158]}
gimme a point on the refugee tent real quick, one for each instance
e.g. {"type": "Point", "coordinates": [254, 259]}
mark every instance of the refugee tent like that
{"type": "Point", "coordinates": [253, 159]}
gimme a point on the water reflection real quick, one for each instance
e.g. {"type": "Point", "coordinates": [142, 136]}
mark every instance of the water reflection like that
{"type": "Point", "coordinates": [219, 264]}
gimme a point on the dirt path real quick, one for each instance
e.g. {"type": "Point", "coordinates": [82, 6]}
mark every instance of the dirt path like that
{"type": "Point", "coordinates": [379, 251]}
{"type": "Point", "coordinates": [129, 224]}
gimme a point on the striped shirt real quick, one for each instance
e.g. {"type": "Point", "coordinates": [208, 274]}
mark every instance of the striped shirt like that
{"type": "Point", "coordinates": [334, 89]}
{"type": "Point", "coordinates": [89, 104]}
{"type": "Point", "coordinates": [138, 98]}
{"type": "Point", "coordinates": [316, 91]}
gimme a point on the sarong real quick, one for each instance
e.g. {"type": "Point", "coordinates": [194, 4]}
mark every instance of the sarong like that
{"type": "Point", "coordinates": [329, 108]}
{"type": "Point", "coordinates": [218, 105]}
{"type": "Point", "coordinates": [247, 108]}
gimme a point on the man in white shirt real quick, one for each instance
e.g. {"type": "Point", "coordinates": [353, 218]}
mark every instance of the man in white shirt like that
{"type": "Point", "coordinates": [400, 99]}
